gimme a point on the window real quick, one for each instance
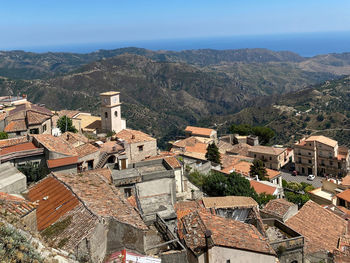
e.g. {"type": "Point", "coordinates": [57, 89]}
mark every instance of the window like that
{"type": "Point", "coordinates": [127, 192]}
{"type": "Point", "coordinates": [339, 165]}
{"type": "Point", "coordinates": [140, 147]}
{"type": "Point", "coordinates": [271, 158]}
{"type": "Point", "coordinates": [330, 163]}
{"type": "Point", "coordinates": [309, 153]}
{"type": "Point", "coordinates": [254, 155]}
{"type": "Point", "coordinates": [44, 127]}
{"type": "Point", "coordinates": [309, 161]}
{"type": "Point", "coordinates": [34, 131]}
{"type": "Point", "coordinates": [18, 133]}
{"type": "Point", "coordinates": [106, 115]}
{"type": "Point", "coordinates": [228, 261]}
{"type": "Point", "coordinates": [90, 164]}
{"type": "Point", "coordinates": [80, 167]}
{"type": "Point", "coordinates": [116, 113]}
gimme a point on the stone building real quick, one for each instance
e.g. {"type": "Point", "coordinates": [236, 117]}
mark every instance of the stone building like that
{"type": "Point", "coordinates": [280, 209]}
{"type": "Point", "coordinates": [111, 119]}
{"type": "Point", "coordinates": [205, 135]}
{"type": "Point", "coordinates": [273, 157]}
{"type": "Point", "coordinates": [319, 155]}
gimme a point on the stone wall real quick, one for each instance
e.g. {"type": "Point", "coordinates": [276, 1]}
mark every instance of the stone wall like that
{"type": "Point", "coordinates": [149, 149]}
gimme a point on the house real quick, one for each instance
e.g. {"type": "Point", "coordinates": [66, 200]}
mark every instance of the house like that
{"type": "Point", "coordinates": [138, 145]}
{"type": "Point", "coordinates": [343, 199]}
{"type": "Point", "coordinates": [320, 155]}
{"type": "Point", "coordinates": [211, 238]}
{"type": "Point", "coordinates": [97, 218]}
{"type": "Point", "coordinates": [19, 208]}
{"type": "Point", "coordinates": [280, 209]}
{"type": "Point", "coordinates": [273, 157]}
{"type": "Point", "coordinates": [26, 119]}
{"type": "Point", "coordinates": [321, 229]}
{"type": "Point", "coordinates": [261, 187]}
{"type": "Point", "coordinates": [9, 101]}
{"type": "Point", "coordinates": [11, 180]}
{"type": "Point", "coordinates": [204, 135]}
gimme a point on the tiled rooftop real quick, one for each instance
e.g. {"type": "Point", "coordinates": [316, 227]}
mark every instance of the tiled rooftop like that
{"type": "Point", "coordinates": [74, 138]}
{"type": "Point", "coordinates": [54, 198]}
{"type": "Point", "coordinates": [27, 146]}
{"type": "Point", "coordinates": [60, 162]}
{"type": "Point", "coordinates": [199, 131]}
{"type": "Point", "coordinates": [15, 205]}
{"type": "Point", "coordinates": [55, 144]}
{"type": "Point", "coordinates": [277, 207]}
{"type": "Point", "coordinates": [13, 141]}
{"type": "Point", "coordinates": [69, 113]}
{"type": "Point", "coordinates": [322, 139]}
{"type": "Point", "coordinates": [229, 202]}
{"type": "Point", "coordinates": [320, 227]}
{"type": "Point", "coordinates": [240, 149]}
{"type": "Point", "coordinates": [101, 198]}
{"type": "Point", "coordinates": [345, 195]}
{"type": "Point", "coordinates": [36, 117]}
{"type": "Point", "coordinates": [16, 125]}
{"type": "Point", "coordinates": [262, 188]}
{"type": "Point", "coordinates": [267, 150]}
{"type": "Point", "coordinates": [134, 136]}
{"type": "Point", "coordinates": [225, 232]}
{"type": "Point", "coordinates": [86, 149]}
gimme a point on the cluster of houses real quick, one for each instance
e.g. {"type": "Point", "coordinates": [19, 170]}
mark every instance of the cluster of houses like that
{"type": "Point", "coordinates": [119, 199]}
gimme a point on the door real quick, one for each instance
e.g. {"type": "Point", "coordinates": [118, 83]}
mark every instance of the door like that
{"type": "Point", "coordinates": [123, 161]}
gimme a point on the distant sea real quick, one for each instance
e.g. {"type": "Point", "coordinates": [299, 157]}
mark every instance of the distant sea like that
{"type": "Point", "coordinates": [305, 44]}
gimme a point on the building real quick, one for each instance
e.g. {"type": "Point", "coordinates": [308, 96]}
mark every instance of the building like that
{"type": "Point", "coordinates": [11, 180]}
{"type": "Point", "coordinates": [321, 229]}
{"type": "Point", "coordinates": [264, 187]}
{"type": "Point", "coordinates": [280, 209]}
{"type": "Point", "coordinates": [27, 119]}
{"type": "Point", "coordinates": [273, 157]}
{"type": "Point", "coordinates": [343, 199]}
{"type": "Point", "coordinates": [9, 101]}
{"type": "Point", "coordinates": [138, 145]}
{"type": "Point", "coordinates": [211, 238]}
{"type": "Point", "coordinates": [205, 135]}
{"type": "Point", "coordinates": [111, 120]}
{"type": "Point", "coordinates": [321, 156]}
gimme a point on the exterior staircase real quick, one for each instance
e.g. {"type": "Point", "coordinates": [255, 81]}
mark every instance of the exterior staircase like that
{"type": "Point", "coordinates": [102, 160]}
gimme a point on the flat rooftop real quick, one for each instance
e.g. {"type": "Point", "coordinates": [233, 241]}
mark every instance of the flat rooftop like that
{"type": "Point", "coordinates": [324, 194]}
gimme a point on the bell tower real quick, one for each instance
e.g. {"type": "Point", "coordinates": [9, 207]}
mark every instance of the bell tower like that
{"type": "Point", "coordinates": [111, 112]}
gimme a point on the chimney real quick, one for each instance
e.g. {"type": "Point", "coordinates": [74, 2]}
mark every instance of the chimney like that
{"type": "Point", "coordinates": [132, 136]}
{"type": "Point", "coordinates": [67, 137]}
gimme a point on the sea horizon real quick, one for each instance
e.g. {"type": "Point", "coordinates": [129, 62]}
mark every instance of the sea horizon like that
{"type": "Point", "coordinates": [304, 44]}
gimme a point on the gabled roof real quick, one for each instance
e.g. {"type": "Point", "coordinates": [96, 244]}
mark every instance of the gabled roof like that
{"type": "Point", "coordinates": [69, 113]}
{"type": "Point", "coordinates": [262, 188]}
{"type": "Point", "coordinates": [86, 149]}
{"type": "Point", "coordinates": [13, 141]}
{"type": "Point", "coordinates": [18, 148]}
{"type": "Point", "coordinates": [74, 138]}
{"type": "Point", "coordinates": [102, 198]}
{"type": "Point", "coordinates": [322, 139]}
{"type": "Point", "coordinates": [320, 227]}
{"type": "Point", "coordinates": [229, 202]}
{"type": "Point", "coordinates": [345, 195]}
{"type": "Point", "coordinates": [278, 207]}
{"type": "Point", "coordinates": [36, 117]}
{"type": "Point", "coordinates": [54, 198]}
{"type": "Point", "coordinates": [60, 162]}
{"type": "Point", "coordinates": [134, 136]}
{"type": "Point", "coordinates": [55, 144]}
{"type": "Point", "coordinates": [224, 232]}
{"type": "Point", "coordinates": [199, 131]}
{"type": "Point", "coordinates": [16, 125]}
{"type": "Point", "coordinates": [266, 150]}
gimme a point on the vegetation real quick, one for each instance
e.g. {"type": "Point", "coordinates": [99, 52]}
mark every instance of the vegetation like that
{"type": "Point", "coordinates": [297, 193]}
{"type": "Point", "coordinates": [265, 134]}
{"type": "Point", "coordinates": [14, 247]}
{"type": "Point", "coordinates": [33, 172]}
{"type": "Point", "coordinates": [258, 169]}
{"type": "Point", "coordinates": [197, 178]}
{"type": "Point", "coordinates": [66, 124]}
{"type": "Point", "coordinates": [55, 229]}
{"type": "Point", "coordinates": [3, 135]}
{"type": "Point", "coordinates": [213, 153]}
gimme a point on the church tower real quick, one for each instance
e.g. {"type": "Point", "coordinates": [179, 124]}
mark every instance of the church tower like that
{"type": "Point", "coordinates": [111, 112]}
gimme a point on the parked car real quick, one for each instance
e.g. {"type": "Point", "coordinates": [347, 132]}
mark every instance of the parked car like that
{"type": "Point", "coordinates": [311, 177]}
{"type": "Point", "coordinates": [294, 173]}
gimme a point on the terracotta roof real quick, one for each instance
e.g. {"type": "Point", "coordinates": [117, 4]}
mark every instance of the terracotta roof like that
{"type": "Point", "coordinates": [2, 116]}
{"type": "Point", "coordinates": [277, 207]}
{"type": "Point", "coordinates": [30, 107]}
{"type": "Point", "coordinates": [320, 227]}
{"type": "Point", "coordinates": [190, 141]}
{"type": "Point", "coordinates": [229, 160]}
{"type": "Point", "coordinates": [229, 202]}
{"type": "Point", "coordinates": [240, 149]}
{"type": "Point", "coordinates": [74, 138]}
{"type": "Point", "coordinates": [345, 195]}
{"type": "Point", "coordinates": [18, 148]}
{"type": "Point", "coordinates": [173, 162]}
{"type": "Point", "coordinates": [225, 232]}
{"type": "Point", "coordinates": [86, 149]}
{"type": "Point", "coordinates": [82, 224]}
{"type": "Point", "coordinates": [55, 144]}
{"type": "Point", "coordinates": [55, 199]}
{"type": "Point", "coordinates": [69, 113]}
{"type": "Point", "coordinates": [16, 125]}
{"type": "Point", "coordinates": [101, 198]}
{"type": "Point", "coordinates": [133, 136]}
{"type": "Point", "coordinates": [262, 188]}
{"type": "Point", "coordinates": [13, 141]}
{"type": "Point", "coordinates": [36, 117]}
{"type": "Point", "coordinates": [266, 150]}
{"type": "Point", "coordinates": [15, 205]}
{"type": "Point", "coordinates": [199, 131]}
{"type": "Point", "coordinates": [345, 181]}
{"type": "Point", "coordinates": [190, 147]}
{"type": "Point", "coordinates": [322, 139]}
{"type": "Point", "coordinates": [62, 162]}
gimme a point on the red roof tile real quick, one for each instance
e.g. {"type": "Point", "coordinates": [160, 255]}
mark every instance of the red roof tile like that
{"type": "Point", "coordinates": [320, 227]}
{"type": "Point", "coordinates": [199, 131]}
{"type": "Point", "coordinates": [13, 141]}
{"type": "Point", "coordinates": [18, 148]}
{"type": "Point", "coordinates": [345, 195]}
{"type": "Point", "coordinates": [86, 149]}
{"type": "Point", "coordinates": [133, 136]}
{"type": "Point", "coordinates": [55, 144]}
{"type": "Point", "coordinates": [262, 188]}
{"type": "Point", "coordinates": [55, 199]}
{"type": "Point", "coordinates": [15, 205]}
{"type": "Point", "coordinates": [62, 162]}
{"type": "Point", "coordinates": [277, 207]}
{"type": "Point", "coordinates": [16, 125]}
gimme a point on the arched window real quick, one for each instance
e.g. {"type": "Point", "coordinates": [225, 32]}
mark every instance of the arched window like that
{"type": "Point", "coordinates": [106, 115]}
{"type": "Point", "coordinates": [116, 113]}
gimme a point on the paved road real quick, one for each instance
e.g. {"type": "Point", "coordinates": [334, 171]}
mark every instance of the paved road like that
{"type": "Point", "coordinates": [286, 175]}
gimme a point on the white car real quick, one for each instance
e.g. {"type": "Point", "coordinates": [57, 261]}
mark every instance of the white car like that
{"type": "Point", "coordinates": [311, 177]}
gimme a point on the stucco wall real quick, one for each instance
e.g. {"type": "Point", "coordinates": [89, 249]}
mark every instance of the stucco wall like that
{"type": "Point", "coordinates": [93, 156]}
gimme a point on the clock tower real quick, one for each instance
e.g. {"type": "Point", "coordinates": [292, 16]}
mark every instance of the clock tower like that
{"type": "Point", "coordinates": [111, 112]}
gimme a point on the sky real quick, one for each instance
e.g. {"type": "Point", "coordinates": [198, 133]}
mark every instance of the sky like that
{"type": "Point", "coordinates": [26, 23]}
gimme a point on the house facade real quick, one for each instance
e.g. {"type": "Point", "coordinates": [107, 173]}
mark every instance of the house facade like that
{"type": "Point", "coordinates": [273, 157]}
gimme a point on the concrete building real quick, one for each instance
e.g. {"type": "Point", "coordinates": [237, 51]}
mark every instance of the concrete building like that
{"type": "Point", "coordinates": [111, 119]}
{"type": "Point", "coordinates": [11, 180]}
{"type": "Point", "coordinates": [319, 155]}
{"type": "Point", "coordinates": [138, 145]}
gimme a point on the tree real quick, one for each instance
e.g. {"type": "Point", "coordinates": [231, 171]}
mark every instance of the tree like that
{"type": "Point", "coordinates": [241, 129]}
{"type": "Point", "coordinates": [65, 124]}
{"type": "Point", "coordinates": [258, 169]}
{"type": "Point", "coordinates": [3, 135]}
{"type": "Point", "coordinates": [33, 172]}
{"type": "Point", "coordinates": [265, 134]}
{"type": "Point", "coordinates": [213, 153]}
{"type": "Point", "coordinates": [263, 198]}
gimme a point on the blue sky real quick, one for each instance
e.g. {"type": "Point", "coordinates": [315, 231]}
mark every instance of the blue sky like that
{"type": "Point", "coordinates": [58, 22]}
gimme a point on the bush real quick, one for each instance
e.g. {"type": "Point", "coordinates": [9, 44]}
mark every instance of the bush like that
{"type": "Point", "coordinates": [197, 178]}
{"type": "Point", "coordinates": [3, 135]}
